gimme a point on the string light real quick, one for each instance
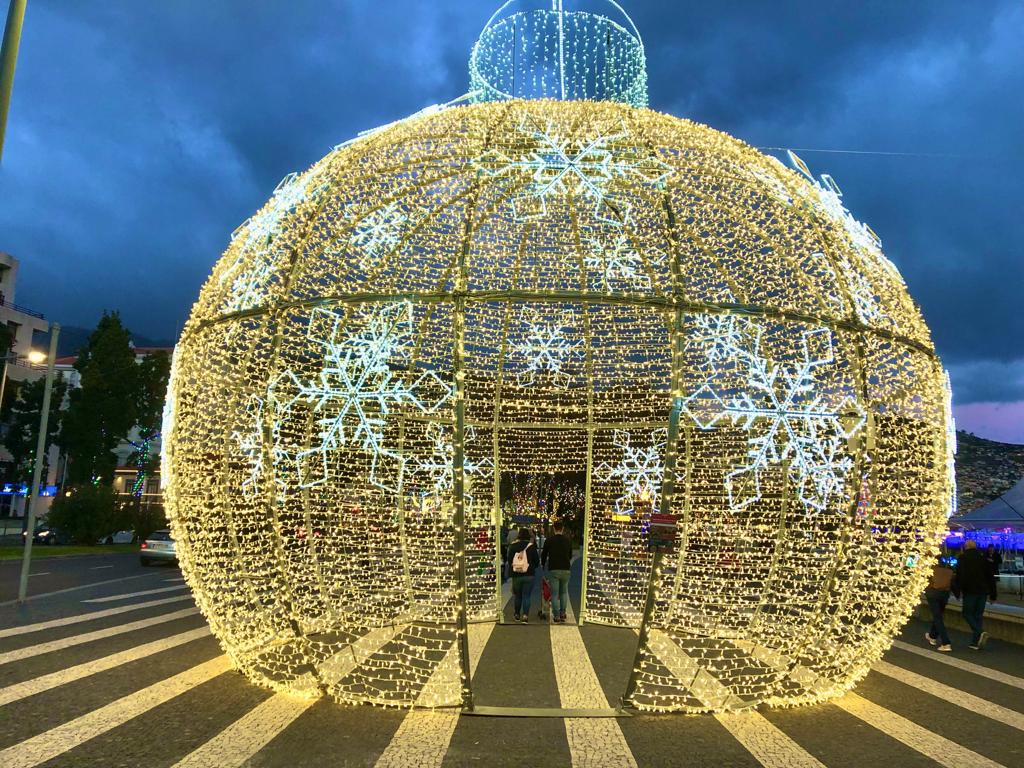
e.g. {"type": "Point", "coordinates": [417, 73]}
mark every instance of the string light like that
{"type": "Point", "coordinates": [532, 287]}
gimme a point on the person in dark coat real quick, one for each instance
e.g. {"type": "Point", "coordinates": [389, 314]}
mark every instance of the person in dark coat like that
{"type": "Point", "coordinates": [975, 582]}
{"type": "Point", "coordinates": [523, 571]}
{"type": "Point", "coordinates": [556, 557]}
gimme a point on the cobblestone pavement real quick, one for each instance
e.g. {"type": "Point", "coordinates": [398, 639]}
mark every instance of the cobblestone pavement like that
{"type": "Point", "coordinates": [124, 672]}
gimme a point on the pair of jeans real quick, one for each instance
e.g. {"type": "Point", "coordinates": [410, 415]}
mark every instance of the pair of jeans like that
{"type": "Point", "coordinates": [937, 599]}
{"type": "Point", "coordinates": [973, 608]}
{"type": "Point", "coordinates": [558, 580]}
{"type": "Point", "coordinates": [522, 588]}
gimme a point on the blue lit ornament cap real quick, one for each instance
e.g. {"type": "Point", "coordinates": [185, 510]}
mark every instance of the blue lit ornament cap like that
{"type": "Point", "coordinates": [559, 49]}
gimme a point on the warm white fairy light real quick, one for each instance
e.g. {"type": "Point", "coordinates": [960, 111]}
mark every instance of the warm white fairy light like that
{"type": "Point", "coordinates": [531, 287]}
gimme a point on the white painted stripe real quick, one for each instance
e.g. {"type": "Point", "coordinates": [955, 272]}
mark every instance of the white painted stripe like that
{"type": "Point", "coordinates": [425, 733]}
{"type": "Point", "coordinates": [71, 734]}
{"type": "Point", "coordinates": [127, 595]}
{"type": "Point", "coordinates": [952, 661]}
{"type": "Point", "coordinates": [236, 744]}
{"type": "Point", "coordinates": [344, 662]}
{"type": "Point", "coordinates": [44, 573]}
{"type": "Point", "coordinates": [78, 618]}
{"type": "Point", "coordinates": [974, 704]}
{"type": "Point", "coordinates": [940, 749]}
{"type": "Point", "coordinates": [766, 743]}
{"type": "Point", "coordinates": [703, 686]}
{"type": "Point", "coordinates": [90, 585]}
{"type": "Point", "coordinates": [100, 567]}
{"type": "Point", "coordinates": [88, 637]}
{"type": "Point", "coordinates": [77, 672]}
{"type": "Point", "coordinates": [593, 742]}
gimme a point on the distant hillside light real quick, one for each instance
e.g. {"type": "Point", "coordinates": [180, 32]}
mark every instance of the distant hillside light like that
{"type": "Point", "coordinates": [554, 278]}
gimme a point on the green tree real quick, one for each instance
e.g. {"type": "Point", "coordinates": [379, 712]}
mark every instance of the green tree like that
{"type": "Point", "coordinates": [106, 406]}
{"type": "Point", "coordinates": [88, 514]}
{"type": "Point", "coordinates": [6, 340]}
{"type": "Point", "coordinates": [23, 431]}
{"type": "Point", "coordinates": [154, 370]}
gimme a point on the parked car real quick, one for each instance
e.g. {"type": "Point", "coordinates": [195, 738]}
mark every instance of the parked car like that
{"type": "Point", "coordinates": [46, 534]}
{"type": "Point", "coordinates": [118, 537]}
{"type": "Point", "coordinates": [158, 548]}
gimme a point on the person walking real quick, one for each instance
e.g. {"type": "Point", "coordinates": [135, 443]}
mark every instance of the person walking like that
{"type": "Point", "coordinates": [557, 559]}
{"type": "Point", "coordinates": [937, 595]}
{"type": "Point", "coordinates": [524, 560]}
{"type": "Point", "coordinates": [975, 581]}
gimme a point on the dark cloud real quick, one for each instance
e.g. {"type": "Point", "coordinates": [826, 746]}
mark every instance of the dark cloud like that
{"type": "Point", "coordinates": [141, 134]}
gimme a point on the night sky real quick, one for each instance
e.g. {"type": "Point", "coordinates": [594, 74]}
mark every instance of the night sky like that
{"type": "Point", "coordinates": [142, 133]}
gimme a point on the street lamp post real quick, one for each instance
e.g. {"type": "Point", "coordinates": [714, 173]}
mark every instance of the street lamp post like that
{"type": "Point", "coordinates": [37, 471]}
{"type": "Point", "coordinates": [8, 58]}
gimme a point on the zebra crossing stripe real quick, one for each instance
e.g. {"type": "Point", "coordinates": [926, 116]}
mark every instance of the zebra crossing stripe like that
{"type": "Point", "coordinates": [704, 686]}
{"type": "Point", "coordinates": [56, 741]}
{"type": "Point", "coordinates": [424, 735]}
{"type": "Point", "coordinates": [953, 695]}
{"type": "Point", "coordinates": [90, 616]}
{"type": "Point", "coordinates": [46, 682]}
{"type": "Point", "coordinates": [127, 595]}
{"type": "Point", "coordinates": [236, 744]}
{"type": "Point", "coordinates": [765, 742]}
{"type": "Point", "coordinates": [88, 637]}
{"type": "Point", "coordinates": [940, 749]}
{"type": "Point", "coordinates": [768, 745]}
{"type": "Point", "coordinates": [344, 662]}
{"type": "Point", "coordinates": [952, 661]}
{"type": "Point", "coordinates": [593, 742]}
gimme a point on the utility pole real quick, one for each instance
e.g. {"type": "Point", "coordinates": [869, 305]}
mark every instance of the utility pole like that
{"type": "Point", "coordinates": [33, 490]}
{"type": "Point", "coordinates": [8, 58]}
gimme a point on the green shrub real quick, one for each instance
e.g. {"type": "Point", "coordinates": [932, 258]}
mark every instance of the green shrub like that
{"type": "Point", "coordinates": [88, 514]}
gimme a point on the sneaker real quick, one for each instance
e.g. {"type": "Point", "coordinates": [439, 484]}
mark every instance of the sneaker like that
{"type": "Point", "coordinates": [559, 620]}
{"type": "Point", "coordinates": [974, 647]}
{"type": "Point", "coordinates": [931, 640]}
{"type": "Point", "coordinates": [562, 616]}
{"type": "Point", "coordinates": [524, 619]}
{"type": "Point", "coordinates": [945, 648]}
{"type": "Point", "coordinates": [983, 639]}
{"type": "Point", "coordinates": [515, 617]}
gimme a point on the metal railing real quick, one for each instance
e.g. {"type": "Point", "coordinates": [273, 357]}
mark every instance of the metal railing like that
{"type": "Point", "coordinates": [23, 310]}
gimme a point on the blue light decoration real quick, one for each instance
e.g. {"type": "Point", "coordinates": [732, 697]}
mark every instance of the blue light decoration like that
{"type": "Point", "coordinates": [10, 489]}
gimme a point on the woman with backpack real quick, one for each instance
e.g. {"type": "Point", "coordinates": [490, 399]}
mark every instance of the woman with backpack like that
{"type": "Point", "coordinates": [524, 560]}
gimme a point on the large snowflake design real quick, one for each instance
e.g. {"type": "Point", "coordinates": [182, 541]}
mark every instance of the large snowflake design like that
{"type": "Point", "coordinates": [618, 262]}
{"type": "Point", "coordinates": [378, 233]}
{"type": "Point", "coordinates": [828, 198]}
{"type": "Point", "coordinates": [780, 406]}
{"type": "Point", "coordinates": [592, 168]}
{"type": "Point", "coordinates": [250, 443]}
{"type": "Point", "coordinates": [772, 183]}
{"type": "Point", "coordinates": [362, 380]}
{"type": "Point", "coordinates": [545, 349]}
{"type": "Point", "coordinates": [435, 472]}
{"type": "Point", "coordinates": [866, 301]}
{"type": "Point", "coordinates": [249, 274]}
{"type": "Point", "coordinates": [640, 470]}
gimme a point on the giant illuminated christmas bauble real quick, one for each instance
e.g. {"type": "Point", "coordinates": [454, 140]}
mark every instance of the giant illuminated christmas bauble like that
{"type": "Point", "coordinates": [556, 285]}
